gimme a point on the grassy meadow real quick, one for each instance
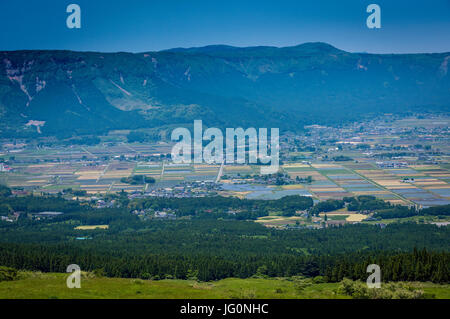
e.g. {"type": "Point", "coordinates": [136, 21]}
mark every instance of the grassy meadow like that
{"type": "Point", "coordinates": [35, 285]}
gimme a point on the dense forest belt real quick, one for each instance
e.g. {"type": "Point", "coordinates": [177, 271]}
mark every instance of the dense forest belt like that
{"type": "Point", "coordinates": [216, 249]}
{"type": "Point", "coordinates": [419, 265]}
{"type": "Point", "coordinates": [207, 243]}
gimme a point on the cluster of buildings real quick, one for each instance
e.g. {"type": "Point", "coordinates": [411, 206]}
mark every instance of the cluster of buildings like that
{"type": "Point", "coordinates": [371, 138]}
{"type": "Point", "coordinates": [35, 216]}
{"type": "Point", "coordinates": [159, 214]}
{"type": "Point", "coordinates": [392, 164]}
{"type": "Point", "coordinates": [101, 203]}
{"type": "Point", "coordinates": [7, 219]}
{"type": "Point", "coordinates": [186, 190]}
{"type": "Point", "coordinates": [45, 215]}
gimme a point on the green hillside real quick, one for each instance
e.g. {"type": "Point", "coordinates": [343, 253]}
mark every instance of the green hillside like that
{"type": "Point", "coordinates": [53, 286]}
{"type": "Point", "coordinates": [71, 93]}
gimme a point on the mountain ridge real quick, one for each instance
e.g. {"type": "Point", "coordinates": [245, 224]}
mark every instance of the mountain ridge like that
{"type": "Point", "coordinates": [224, 46]}
{"type": "Point", "coordinates": [92, 92]}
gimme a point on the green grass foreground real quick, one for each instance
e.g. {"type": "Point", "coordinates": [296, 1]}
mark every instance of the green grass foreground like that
{"type": "Point", "coordinates": [53, 286]}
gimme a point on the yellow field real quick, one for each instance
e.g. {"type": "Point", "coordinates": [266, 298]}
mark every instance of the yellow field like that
{"type": "Point", "coordinates": [440, 175]}
{"type": "Point", "coordinates": [292, 186]}
{"type": "Point", "coordinates": [437, 186]}
{"type": "Point", "coordinates": [271, 219]}
{"type": "Point", "coordinates": [118, 174]}
{"type": "Point", "coordinates": [93, 174]}
{"type": "Point", "coordinates": [429, 180]}
{"type": "Point", "coordinates": [91, 227]}
{"type": "Point", "coordinates": [41, 166]}
{"type": "Point", "coordinates": [279, 221]}
{"type": "Point", "coordinates": [240, 195]}
{"type": "Point", "coordinates": [356, 217]}
{"type": "Point", "coordinates": [96, 186]}
{"type": "Point", "coordinates": [401, 187]}
{"type": "Point", "coordinates": [203, 172]}
{"type": "Point", "coordinates": [390, 182]}
{"type": "Point", "coordinates": [424, 167]}
{"type": "Point", "coordinates": [443, 186]}
{"type": "Point", "coordinates": [352, 217]}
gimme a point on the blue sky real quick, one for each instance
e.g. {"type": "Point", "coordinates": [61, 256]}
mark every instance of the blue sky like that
{"type": "Point", "coordinates": [151, 25]}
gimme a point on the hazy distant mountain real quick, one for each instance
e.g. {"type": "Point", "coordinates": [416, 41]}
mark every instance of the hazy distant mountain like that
{"type": "Point", "coordinates": [89, 92]}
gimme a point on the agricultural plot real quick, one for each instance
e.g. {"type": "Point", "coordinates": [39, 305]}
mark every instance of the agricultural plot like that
{"type": "Point", "coordinates": [333, 181]}
{"type": "Point", "coordinates": [207, 170]}
{"type": "Point", "coordinates": [238, 169]}
{"type": "Point", "coordinates": [344, 215]}
{"type": "Point", "coordinates": [150, 170]}
{"type": "Point", "coordinates": [359, 166]}
{"type": "Point", "coordinates": [100, 168]}
{"type": "Point", "coordinates": [96, 169]}
{"type": "Point", "coordinates": [176, 172]}
{"type": "Point", "coordinates": [316, 176]}
{"type": "Point", "coordinates": [293, 166]}
{"type": "Point", "coordinates": [92, 227]}
{"type": "Point", "coordinates": [203, 173]}
{"type": "Point", "coordinates": [418, 188]}
{"type": "Point", "coordinates": [281, 221]}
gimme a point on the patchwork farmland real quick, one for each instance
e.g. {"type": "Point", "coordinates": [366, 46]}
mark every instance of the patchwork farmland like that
{"type": "Point", "coordinates": [403, 161]}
